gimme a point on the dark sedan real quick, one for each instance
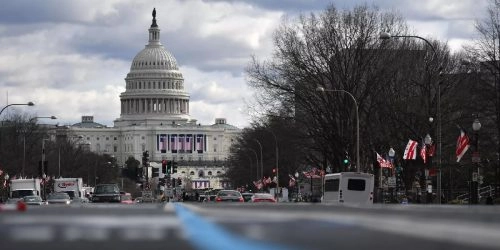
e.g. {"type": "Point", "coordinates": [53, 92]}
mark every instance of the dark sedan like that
{"type": "Point", "coordinates": [106, 193]}
{"type": "Point", "coordinates": [229, 196]}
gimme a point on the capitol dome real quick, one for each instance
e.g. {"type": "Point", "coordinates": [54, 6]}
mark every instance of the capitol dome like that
{"type": "Point", "coordinates": [154, 90]}
{"type": "Point", "coordinates": [154, 57]}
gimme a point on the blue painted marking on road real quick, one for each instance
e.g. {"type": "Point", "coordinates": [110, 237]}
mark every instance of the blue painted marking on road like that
{"type": "Point", "coordinates": [209, 236]}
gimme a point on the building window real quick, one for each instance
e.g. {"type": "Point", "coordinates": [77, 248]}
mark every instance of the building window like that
{"type": "Point", "coordinates": [218, 172]}
{"type": "Point", "coordinates": [115, 148]}
{"type": "Point", "coordinates": [215, 148]}
{"type": "Point", "coordinates": [209, 173]}
{"type": "Point", "coordinates": [115, 138]}
{"type": "Point", "coordinates": [142, 137]}
{"type": "Point", "coordinates": [143, 147]}
{"type": "Point", "coordinates": [191, 173]}
{"type": "Point", "coordinates": [107, 138]}
{"type": "Point", "coordinates": [215, 138]}
{"type": "Point", "coordinates": [97, 138]}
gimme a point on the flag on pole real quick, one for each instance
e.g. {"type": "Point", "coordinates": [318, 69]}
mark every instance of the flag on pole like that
{"type": "Point", "coordinates": [462, 144]}
{"type": "Point", "coordinates": [383, 162]}
{"type": "Point", "coordinates": [411, 150]}
{"type": "Point", "coordinates": [423, 152]}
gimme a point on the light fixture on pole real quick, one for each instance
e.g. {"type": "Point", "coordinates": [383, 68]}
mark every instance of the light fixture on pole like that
{"type": "Point", "coordinates": [387, 36]}
{"type": "Point", "coordinates": [321, 89]}
{"type": "Point", "coordinates": [24, 139]}
{"type": "Point", "coordinates": [26, 104]}
{"type": "Point", "coordinates": [476, 126]}
{"type": "Point", "coordinates": [297, 184]}
{"type": "Point", "coordinates": [261, 161]}
{"type": "Point", "coordinates": [277, 160]}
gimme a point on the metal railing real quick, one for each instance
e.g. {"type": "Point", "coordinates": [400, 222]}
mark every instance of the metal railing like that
{"type": "Point", "coordinates": [483, 192]}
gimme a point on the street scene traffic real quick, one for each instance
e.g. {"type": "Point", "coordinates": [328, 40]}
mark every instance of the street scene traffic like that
{"type": "Point", "coordinates": [250, 124]}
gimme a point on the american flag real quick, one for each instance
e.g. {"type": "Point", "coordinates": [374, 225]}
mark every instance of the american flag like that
{"type": "Point", "coordinates": [383, 162]}
{"type": "Point", "coordinates": [411, 150]}
{"type": "Point", "coordinates": [173, 142]}
{"type": "Point", "coordinates": [199, 142]}
{"type": "Point", "coordinates": [423, 152]}
{"type": "Point", "coordinates": [188, 143]}
{"type": "Point", "coordinates": [462, 144]}
{"type": "Point", "coordinates": [163, 143]}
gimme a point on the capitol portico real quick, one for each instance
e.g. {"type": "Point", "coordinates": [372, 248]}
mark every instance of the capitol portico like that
{"type": "Point", "coordinates": [155, 117]}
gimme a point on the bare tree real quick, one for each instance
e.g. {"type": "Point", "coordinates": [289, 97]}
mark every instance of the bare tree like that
{"type": "Point", "coordinates": [484, 54]}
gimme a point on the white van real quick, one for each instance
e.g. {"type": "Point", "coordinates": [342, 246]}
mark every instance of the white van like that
{"type": "Point", "coordinates": [349, 188]}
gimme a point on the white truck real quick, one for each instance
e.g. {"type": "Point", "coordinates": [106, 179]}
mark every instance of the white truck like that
{"type": "Point", "coordinates": [349, 188]}
{"type": "Point", "coordinates": [24, 187]}
{"type": "Point", "coordinates": [72, 186]}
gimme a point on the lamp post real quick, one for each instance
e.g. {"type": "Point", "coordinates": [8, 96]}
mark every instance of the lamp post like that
{"type": "Point", "coordinates": [24, 139]}
{"type": "Point", "coordinates": [277, 162]}
{"type": "Point", "coordinates": [476, 126]}
{"type": "Point", "coordinates": [256, 163]}
{"type": "Point", "coordinates": [387, 36]}
{"type": "Point", "coordinates": [297, 184]}
{"type": "Point", "coordinates": [391, 154]}
{"type": "Point", "coordinates": [27, 104]}
{"type": "Point", "coordinates": [261, 162]}
{"type": "Point", "coordinates": [428, 143]}
{"type": "Point", "coordinates": [321, 89]}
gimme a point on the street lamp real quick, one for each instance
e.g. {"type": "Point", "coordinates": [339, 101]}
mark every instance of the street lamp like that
{"type": "Point", "coordinates": [387, 36]}
{"type": "Point", "coordinates": [24, 139]}
{"type": "Point", "coordinates": [256, 163]}
{"type": "Point", "coordinates": [27, 104]}
{"type": "Point", "coordinates": [261, 162]}
{"type": "Point", "coordinates": [277, 159]}
{"type": "Point", "coordinates": [321, 89]}
{"type": "Point", "coordinates": [297, 184]}
{"type": "Point", "coordinates": [476, 126]}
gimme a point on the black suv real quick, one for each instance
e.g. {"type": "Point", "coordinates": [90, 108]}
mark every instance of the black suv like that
{"type": "Point", "coordinates": [106, 193]}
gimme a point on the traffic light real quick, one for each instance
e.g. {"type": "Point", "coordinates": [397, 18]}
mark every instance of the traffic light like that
{"type": "Point", "coordinates": [169, 167]}
{"type": "Point", "coordinates": [274, 171]}
{"type": "Point", "coordinates": [145, 158]}
{"type": "Point", "coordinates": [174, 167]}
{"type": "Point", "coordinates": [164, 166]}
{"type": "Point", "coordinates": [156, 172]}
{"type": "Point", "coordinates": [346, 161]}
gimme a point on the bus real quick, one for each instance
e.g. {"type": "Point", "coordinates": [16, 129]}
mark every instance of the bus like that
{"type": "Point", "coordinates": [349, 188]}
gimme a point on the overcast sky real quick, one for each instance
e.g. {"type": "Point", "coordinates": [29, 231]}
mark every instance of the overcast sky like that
{"type": "Point", "coordinates": [71, 57]}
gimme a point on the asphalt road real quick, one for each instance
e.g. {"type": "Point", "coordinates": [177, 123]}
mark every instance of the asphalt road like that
{"type": "Point", "coordinates": [250, 226]}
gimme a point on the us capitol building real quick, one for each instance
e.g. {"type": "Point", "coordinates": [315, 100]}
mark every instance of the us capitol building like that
{"type": "Point", "coordinates": [155, 117]}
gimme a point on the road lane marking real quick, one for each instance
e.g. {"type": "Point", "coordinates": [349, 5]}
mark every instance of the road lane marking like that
{"type": "Point", "coordinates": [445, 230]}
{"type": "Point", "coordinates": [209, 236]}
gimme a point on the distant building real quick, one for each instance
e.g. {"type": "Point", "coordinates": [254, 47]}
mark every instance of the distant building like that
{"type": "Point", "coordinates": [155, 117]}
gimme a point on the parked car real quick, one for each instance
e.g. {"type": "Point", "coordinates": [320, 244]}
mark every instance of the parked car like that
{"type": "Point", "coordinates": [106, 193]}
{"type": "Point", "coordinates": [263, 197]}
{"type": "Point", "coordinates": [229, 196]}
{"type": "Point", "coordinates": [59, 198]}
{"type": "Point", "coordinates": [33, 200]}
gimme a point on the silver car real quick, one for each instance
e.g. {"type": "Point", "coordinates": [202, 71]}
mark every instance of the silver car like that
{"type": "Point", "coordinates": [59, 198]}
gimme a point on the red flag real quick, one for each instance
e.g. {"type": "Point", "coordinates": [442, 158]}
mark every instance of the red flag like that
{"type": "Point", "coordinates": [462, 144]}
{"type": "Point", "coordinates": [423, 152]}
{"type": "Point", "coordinates": [411, 150]}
